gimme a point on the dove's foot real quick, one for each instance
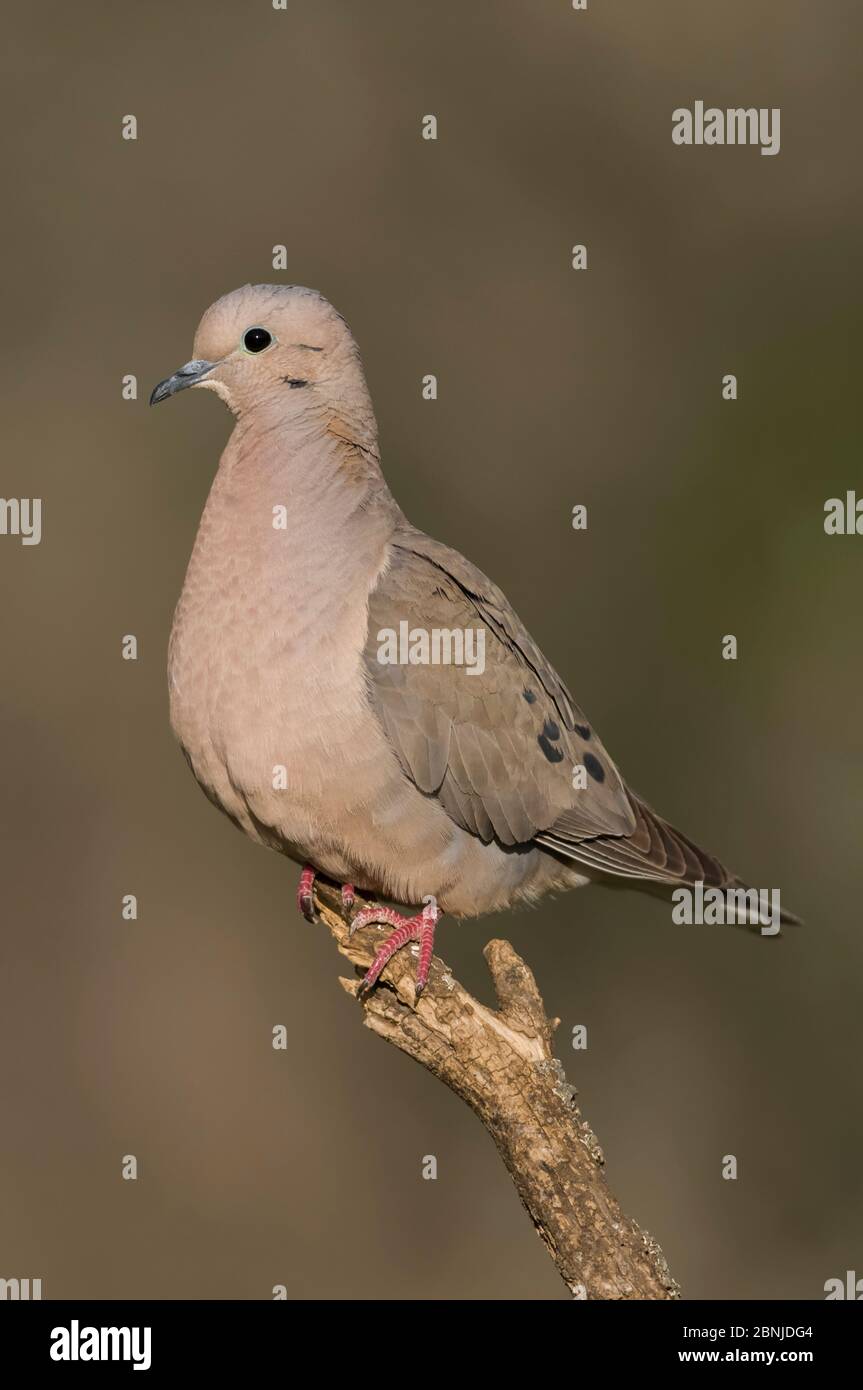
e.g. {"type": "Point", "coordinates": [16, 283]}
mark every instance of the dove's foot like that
{"type": "Point", "coordinates": [306, 896]}
{"type": "Point", "coordinates": [420, 928]}
{"type": "Point", "coordinates": [306, 893]}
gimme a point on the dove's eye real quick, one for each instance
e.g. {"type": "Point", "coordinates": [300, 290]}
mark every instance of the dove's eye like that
{"type": "Point", "coordinates": [256, 339]}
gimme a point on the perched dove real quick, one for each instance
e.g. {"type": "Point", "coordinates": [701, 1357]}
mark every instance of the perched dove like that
{"type": "Point", "coordinates": [314, 668]}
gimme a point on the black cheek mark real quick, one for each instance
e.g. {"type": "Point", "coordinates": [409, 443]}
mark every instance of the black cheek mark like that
{"type": "Point", "coordinates": [529, 695]}
{"type": "Point", "coordinates": [594, 767]}
{"type": "Point", "coordinates": [550, 730]}
{"type": "Point", "coordinates": [294, 382]}
{"type": "Point", "coordinates": [583, 731]}
{"type": "Point", "coordinates": [553, 754]}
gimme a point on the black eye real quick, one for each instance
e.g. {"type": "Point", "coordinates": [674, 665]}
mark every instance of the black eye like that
{"type": "Point", "coordinates": [256, 339]}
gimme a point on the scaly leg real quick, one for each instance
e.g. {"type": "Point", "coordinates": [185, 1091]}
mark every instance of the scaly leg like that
{"type": "Point", "coordinates": [306, 895]}
{"type": "Point", "coordinates": [420, 928]}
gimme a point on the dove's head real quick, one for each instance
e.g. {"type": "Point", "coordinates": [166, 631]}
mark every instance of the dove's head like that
{"type": "Point", "coordinates": [271, 343]}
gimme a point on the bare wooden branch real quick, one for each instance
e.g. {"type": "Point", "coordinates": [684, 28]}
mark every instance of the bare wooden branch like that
{"type": "Point", "coordinates": [502, 1064]}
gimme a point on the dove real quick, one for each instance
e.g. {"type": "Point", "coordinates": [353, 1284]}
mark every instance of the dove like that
{"type": "Point", "coordinates": [320, 686]}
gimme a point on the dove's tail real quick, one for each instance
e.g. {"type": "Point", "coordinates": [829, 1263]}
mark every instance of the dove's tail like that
{"type": "Point", "coordinates": [656, 855]}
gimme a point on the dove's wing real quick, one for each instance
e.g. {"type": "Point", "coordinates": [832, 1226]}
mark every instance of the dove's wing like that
{"type": "Point", "coordinates": [497, 747]}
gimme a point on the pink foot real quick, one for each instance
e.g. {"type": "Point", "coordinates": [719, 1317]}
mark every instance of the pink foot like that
{"type": "Point", "coordinates": [420, 928]}
{"type": "Point", "coordinates": [306, 895]}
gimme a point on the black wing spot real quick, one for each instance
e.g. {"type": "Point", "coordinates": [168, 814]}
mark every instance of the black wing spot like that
{"type": "Point", "coordinates": [553, 754]}
{"type": "Point", "coordinates": [594, 767]}
{"type": "Point", "coordinates": [529, 695]}
{"type": "Point", "coordinates": [583, 731]}
{"type": "Point", "coordinates": [550, 730]}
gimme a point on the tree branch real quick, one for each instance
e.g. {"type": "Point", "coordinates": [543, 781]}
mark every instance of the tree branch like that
{"type": "Point", "coordinates": [502, 1064]}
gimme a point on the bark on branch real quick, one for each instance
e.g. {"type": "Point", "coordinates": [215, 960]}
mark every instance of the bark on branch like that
{"type": "Point", "coordinates": [502, 1064]}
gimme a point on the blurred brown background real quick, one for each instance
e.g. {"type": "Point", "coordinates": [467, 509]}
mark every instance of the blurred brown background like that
{"type": "Point", "coordinates": [154, 1038]}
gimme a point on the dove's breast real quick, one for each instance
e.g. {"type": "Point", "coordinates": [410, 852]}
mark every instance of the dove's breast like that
{"type": "Point", "coordinates": [267, 687]}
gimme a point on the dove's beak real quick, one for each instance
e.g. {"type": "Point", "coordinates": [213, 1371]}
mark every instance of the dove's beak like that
{"type": "Point", "coordinates": [190, 375]}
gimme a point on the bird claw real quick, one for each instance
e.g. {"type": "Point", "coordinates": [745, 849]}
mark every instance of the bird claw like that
{"type": "Point", "coordinates": [364, 989]}
{"type": "Point", "coordinates": [420, 928]}
{"type": "Point", "coordinates": [306, 897]}
{"type": "Point", "coordinates": [306, 894]}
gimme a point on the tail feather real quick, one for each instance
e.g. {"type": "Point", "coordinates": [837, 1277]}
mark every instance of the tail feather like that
{"type": "Point", "coordinates": [655, 853]}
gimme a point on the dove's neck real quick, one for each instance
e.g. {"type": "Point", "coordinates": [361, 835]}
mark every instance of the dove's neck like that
{"type": "Point", "coordinates": [298, 517]}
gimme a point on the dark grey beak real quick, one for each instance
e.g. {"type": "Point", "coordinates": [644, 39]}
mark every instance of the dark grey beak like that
{"type": "Point", "coordinates": [190, 375]}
